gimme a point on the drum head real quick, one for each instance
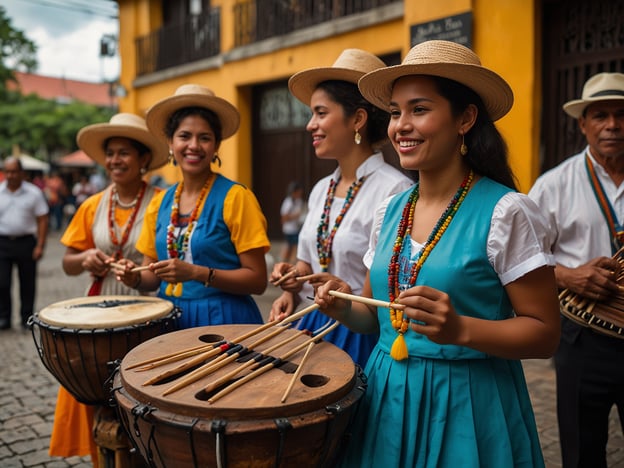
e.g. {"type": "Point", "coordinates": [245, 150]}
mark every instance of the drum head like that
{"type": "Point", "coordinates": [93, 312]}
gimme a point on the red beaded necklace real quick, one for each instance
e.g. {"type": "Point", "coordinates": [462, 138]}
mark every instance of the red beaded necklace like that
{"type": "Point", "coordinates": [177, 248]}
{"type": "Point", "coordinates": [399, 322]}
{"type": "Point", "coordinates": [325, 239]}
{"type": "Point", "coordinates": [112, 227]}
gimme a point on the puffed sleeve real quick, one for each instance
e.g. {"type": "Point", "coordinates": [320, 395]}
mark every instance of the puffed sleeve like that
{"type": "Point", "coordinates": [380, 212]}
{"type": "Point", "coordinates": [519, 240]}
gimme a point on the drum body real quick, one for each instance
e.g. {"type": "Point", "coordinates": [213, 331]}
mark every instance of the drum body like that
{"type": "Point", "coordinates": [249, 427]}
{"type": "Point", "coordinates": [77, 339]}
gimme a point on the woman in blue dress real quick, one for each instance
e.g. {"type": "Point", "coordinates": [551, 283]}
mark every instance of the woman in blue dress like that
{"type": "Point", "coordinates": [203, 239]}
{"type": "Point", "coordinates": [463, 264]}
{"type": "Point", "coordinates": [332, 241]}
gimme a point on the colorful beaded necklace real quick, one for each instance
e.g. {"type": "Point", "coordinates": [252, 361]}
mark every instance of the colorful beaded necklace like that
{"type": "Point", "coordinates": [112, 226]}
{"type": "Point", "coordinates": [399, 322]}
{"type": "Point", "coordinates": [325, 239]}
{"type": "Point", "coordinates": [177, 247]}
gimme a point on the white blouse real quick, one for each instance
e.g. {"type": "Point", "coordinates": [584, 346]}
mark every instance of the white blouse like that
{"type": "Point", "coordinates": [518, 241]}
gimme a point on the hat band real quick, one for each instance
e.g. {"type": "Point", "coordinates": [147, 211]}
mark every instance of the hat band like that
{"type": "Point", "coordinates": [608, 92]}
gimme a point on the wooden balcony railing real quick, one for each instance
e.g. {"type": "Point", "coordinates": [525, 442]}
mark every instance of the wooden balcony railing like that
{"type": "Point", "coordinates": [255, 20]}
{"type": "Point", "coordinates": [196, 38]}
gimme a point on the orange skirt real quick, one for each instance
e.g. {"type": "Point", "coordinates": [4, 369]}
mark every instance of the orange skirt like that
{"type": "Point", "coordinates": [72, 431]}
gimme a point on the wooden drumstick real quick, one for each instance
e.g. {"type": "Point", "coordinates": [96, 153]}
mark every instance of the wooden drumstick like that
{"type": "Point", "coordinates": [305, 277]}
{"type": "Point", "coordinates": [269, 365]}
{"type": "Point", "coordinates": [253, 363]}
{"type": "Point", "coordinates": [140, 268]}
{"type": "Point", "coordinates": [179, 355]}
{"type": "Point", "coordinates": [367, 300]}
{"type": "Point", "coordinates": [290, 274]}
{"type": "Point", "coordinates": [297, 372]}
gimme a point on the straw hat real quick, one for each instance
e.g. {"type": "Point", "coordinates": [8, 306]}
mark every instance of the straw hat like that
{"type": "Point", "coordinates": [447, 60]}
{"type": "Point", "coordinates": [91, 138]}
{"type": "Point", "coordinates": [350, 66]}
{"type": "Point", "coordinates": [192, 95]}
{"type": "Point", "coordinates": [600, 87]}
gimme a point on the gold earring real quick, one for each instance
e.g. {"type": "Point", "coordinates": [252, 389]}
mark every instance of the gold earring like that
{"type": "Point", "coordinates": [357, 138]}
{"type": "Point", "coordinates": [463, 149]}
{"type": "Point", "coordinates": [143, 170]}
{"type": "Point", "coordinates": [171, 159]}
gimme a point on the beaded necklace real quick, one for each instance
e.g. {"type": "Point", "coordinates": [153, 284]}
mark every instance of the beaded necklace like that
{"type": "Point", "coordinates": [399, 322]}
{"type": "Point", "coordinates": [112, 227]}
{"type": "Point", "coordinates": [325, 239]}
{"type": "Point", "coordinates": [178, 246]}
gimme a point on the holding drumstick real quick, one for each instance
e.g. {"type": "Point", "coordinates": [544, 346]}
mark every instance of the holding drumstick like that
{"type": "Point", "coordinates": [348, 129]}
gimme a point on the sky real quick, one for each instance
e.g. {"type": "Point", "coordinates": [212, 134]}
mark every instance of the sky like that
{"type": "Point", "coordinates": [67, 34]}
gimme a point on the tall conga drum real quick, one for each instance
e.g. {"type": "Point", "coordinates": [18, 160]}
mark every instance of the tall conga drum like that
{"type": "Point", "coordinates": [212, 408]}
{"type": "Point", "coordinates": [77, 339]}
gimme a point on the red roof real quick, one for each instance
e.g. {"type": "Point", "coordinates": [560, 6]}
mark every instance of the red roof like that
{"type": "Point", "coordinates": [63, 90]}
{"type": "Point", "coordinates": [76, 159]}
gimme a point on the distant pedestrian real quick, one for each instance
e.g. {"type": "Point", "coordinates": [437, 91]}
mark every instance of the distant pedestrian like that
{"type": "Point", "coordinates": [56, 191]}
{"type": "Point", "coordinates": [292, 215]}
{"type": "Point", "coordinates": [23, 231]}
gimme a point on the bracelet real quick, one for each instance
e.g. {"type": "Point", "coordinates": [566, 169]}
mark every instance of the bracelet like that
{"type": "Point", "coordinates": [138, 283]}
{"type": "Point", "coordinates": [211, 276]}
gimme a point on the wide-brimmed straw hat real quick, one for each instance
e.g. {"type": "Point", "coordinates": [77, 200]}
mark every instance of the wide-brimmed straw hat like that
{"type": "Point", "coordinates": [447, 60]}
{"type": "Point", "coordinates": [600, 87]}
{"type": "Point", "coordinates": [91, 138]}
{"type": "Point", "coordinates": [192, 95]}
{"type": "Point", "coordinates": [351, 65]}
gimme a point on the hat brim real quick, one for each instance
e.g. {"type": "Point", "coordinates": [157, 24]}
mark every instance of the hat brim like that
{"type": "Point", "coordinates": [91, 140]}
{"type": "Point", "coordinates": [158, 115]}
{"type": "Point", "coordinates": [576, 107]}
{"type": "Point", "coordinates": [495, 93]}
{"type": "Point", "coordinates": [303, 84]}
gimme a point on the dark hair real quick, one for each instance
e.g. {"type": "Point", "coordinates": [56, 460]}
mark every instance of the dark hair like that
{"type": "Point", "coordinates": [140, 147]}
{"type": "Point", "coordinates": [487, 150]}
{"type": "Point", "coordinates": [209, 116]}
{"type": "Point", "coordinates": [348, 96]}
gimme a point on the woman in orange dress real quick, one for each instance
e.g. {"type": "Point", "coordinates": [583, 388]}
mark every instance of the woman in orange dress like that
{"type": "Point", "coordinates": [104, 229]}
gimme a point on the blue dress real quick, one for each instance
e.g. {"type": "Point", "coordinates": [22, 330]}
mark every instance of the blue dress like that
{"type": "Point", "coordinates": [446, 405]}
{"type": "Point", "coordinates": [210, 245]}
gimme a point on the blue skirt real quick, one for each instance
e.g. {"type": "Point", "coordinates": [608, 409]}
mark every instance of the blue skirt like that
{"type": "Point", "coordinates": [217, 310]}
{"type": "Point", "coordinates": [433, 413]}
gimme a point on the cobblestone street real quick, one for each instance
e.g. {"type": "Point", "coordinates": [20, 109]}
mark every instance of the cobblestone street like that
{"type": "Point", "coordinates": [28, 390]}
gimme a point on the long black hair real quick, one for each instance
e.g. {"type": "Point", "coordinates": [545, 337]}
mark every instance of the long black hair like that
{"type": "Point", "coordinates": [348, 96]}
{"type": "Point", "coordinates": [487, 150]}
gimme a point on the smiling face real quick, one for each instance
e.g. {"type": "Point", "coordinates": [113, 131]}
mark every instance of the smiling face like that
{"type": "Point", "coordinates": [422, 129]}
{"type": "Point", "coordinates": [194, 144]}
{"type": "Point", "coordinates": [123, 161]}
{"type": "Point", "coordinates": [603, 125]}
{"type": "Point", "coordinates": [332, 133]}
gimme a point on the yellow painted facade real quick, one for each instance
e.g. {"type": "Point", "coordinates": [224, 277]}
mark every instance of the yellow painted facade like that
{"type": "Point", "coordinates": [505, 36]}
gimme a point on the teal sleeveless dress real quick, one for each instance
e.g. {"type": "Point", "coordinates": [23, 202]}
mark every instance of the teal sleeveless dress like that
{"type": "Point", "coordinates": [446, 405]}
{"type": "Point", "coordinates": [211, 246]}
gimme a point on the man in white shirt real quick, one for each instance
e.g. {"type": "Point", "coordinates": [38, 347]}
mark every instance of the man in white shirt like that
{"type": "Point", "coordinates": [583, 199]}
{"type": "Point", "coordinates": [23, 231]}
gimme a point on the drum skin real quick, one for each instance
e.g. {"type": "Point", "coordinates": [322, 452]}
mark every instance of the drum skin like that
{"type": "Point", "coordinates": [249, 427]}
{"type": "Point", "coordinates": [78, 339]}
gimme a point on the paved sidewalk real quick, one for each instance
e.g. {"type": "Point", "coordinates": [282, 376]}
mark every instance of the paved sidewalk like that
{"type": "Point", "coordinates": [28, 390]}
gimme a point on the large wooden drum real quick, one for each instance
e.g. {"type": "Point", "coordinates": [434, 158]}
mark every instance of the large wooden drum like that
{"type": "Point", "coordinates": [249, 426]}
{"type": "Point", "coordinates": [78, 339]}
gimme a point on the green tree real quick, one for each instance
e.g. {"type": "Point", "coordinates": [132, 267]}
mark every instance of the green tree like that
{"type": "Point", "coordinates": [16, 48]}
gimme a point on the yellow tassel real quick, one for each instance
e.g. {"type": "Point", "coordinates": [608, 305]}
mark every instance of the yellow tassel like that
{"type": "Point", "coordinates": [169, 289]}
{"type": "Point", "coordinates": [399, 348]}
{"type": "Point", "coordinates": [177, 290]}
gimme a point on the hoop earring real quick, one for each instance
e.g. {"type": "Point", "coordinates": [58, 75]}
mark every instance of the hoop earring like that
{"type": "Point", "coordinates": [463, 149]}
{"type": "Point", "coordinates": [357, 138]}
{"type": "Point", "coordinates": [171, 159]}
{"type": "Point", "coordinates": [216, 159]}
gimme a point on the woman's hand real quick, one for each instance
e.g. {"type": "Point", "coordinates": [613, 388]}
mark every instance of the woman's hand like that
{"type": "Point", "coordinates": [96, 262]}
{"type": "Point", "coordinates": [333, 306]}
{"type": "Point", "coordinates": [432, 314]}
{"type": "Point", "coordinates": [282, 307]}
{"type": "Point", "coordinates": [174, 270]}
{"type": "Point", "coordinates": [123, 272]}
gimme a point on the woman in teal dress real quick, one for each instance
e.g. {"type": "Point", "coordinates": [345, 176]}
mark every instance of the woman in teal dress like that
{"type": "Point", "coordinates": [204, 239]}
{"type": "Point", "coordinates": [462, 259]}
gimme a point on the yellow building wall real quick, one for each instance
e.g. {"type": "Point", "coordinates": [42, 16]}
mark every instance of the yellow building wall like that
{"type": "Point", "coordinates": [505, 36]}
